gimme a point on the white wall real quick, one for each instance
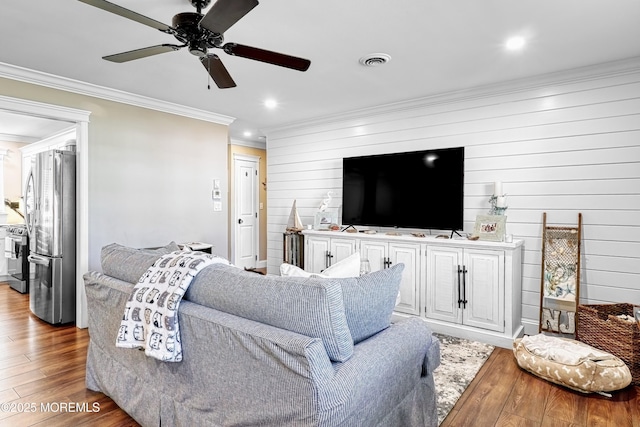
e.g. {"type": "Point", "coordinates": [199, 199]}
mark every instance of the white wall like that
{"type": "Point", "coordinates": [150, 180]}
{"type": "Point", "coordinates": [561, 144]}
{"type": "Point", "coordinates": [150, 172]}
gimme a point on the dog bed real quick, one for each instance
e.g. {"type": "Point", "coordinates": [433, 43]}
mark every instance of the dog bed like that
{"type": "Point", "coordinates": [571, 363]}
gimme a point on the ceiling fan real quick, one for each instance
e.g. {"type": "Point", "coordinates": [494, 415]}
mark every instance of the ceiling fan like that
{"type": "Point", "coordinates": [200, 33]}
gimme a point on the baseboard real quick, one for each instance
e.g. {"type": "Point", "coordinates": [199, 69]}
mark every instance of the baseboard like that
{"type": "Point", "coordinates": [530, 328]}
{"type": "Point", "coordinates": [469, 333]}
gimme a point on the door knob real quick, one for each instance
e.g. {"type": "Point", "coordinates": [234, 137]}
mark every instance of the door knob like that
{"type": "Point", "coordinates": [240, 221]}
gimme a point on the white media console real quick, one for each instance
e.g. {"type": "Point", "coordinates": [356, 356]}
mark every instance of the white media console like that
{"type": "Point", "coordinates": [465, 288]}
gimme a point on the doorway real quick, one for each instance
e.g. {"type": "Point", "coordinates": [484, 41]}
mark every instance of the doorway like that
{"type": "Point", "coordinates": [245, 223]}
{"type": "Point", "coordinates": [81, 120]}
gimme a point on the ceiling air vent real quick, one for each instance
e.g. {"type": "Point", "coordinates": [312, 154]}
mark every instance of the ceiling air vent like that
{"type": "Point", "coordinates": [375, 59]}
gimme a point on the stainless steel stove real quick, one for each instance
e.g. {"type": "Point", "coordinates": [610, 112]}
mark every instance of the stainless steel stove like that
{"type": "Point", "coordinates": [16, 252]}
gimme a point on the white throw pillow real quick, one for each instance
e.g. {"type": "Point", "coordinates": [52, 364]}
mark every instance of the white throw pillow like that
{"type": "Point", "coordinates": [348, 267]}
{"type": "Point", "coordinates": [292, 271]}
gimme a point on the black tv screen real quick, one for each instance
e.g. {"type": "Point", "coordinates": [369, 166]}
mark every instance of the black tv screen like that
{"type": "Point", "coordinates": [419, 189]}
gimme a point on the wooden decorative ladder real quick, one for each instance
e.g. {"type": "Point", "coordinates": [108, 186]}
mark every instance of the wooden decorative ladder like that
{"type": "Point", "coordinates": [560, 278]}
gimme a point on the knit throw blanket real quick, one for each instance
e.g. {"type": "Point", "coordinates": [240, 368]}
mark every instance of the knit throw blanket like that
{"type": "Point", "coordinates": [150, 320]}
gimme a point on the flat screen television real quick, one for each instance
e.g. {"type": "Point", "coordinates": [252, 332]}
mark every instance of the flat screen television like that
{"type": "Point", "coordinates": [418, 189]}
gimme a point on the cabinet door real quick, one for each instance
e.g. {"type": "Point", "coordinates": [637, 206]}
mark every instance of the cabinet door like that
{"type": "Point", "coordinates": [484, 289]}
{"type": "Point", "coordinates": [315, 254]}
{"type": "Point", "coordinates": [375, 252]}
{"type": "Point", "coordinates": [442, 287]}
{"type": "Point", "coordinates": [409, 255]}
{"type": "Point", "coordinates": [341, 249]}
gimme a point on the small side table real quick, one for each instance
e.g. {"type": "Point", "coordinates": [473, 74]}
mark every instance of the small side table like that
{"type": "Point", "coordinates": [197, 246]}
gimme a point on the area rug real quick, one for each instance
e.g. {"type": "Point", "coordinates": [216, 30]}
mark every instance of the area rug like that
{"type": "Point", "coordinates": [460, 361]}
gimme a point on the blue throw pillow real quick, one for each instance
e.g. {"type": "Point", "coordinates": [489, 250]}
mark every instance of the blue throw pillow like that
{"type": "Point", "coordinates": [369, 301]}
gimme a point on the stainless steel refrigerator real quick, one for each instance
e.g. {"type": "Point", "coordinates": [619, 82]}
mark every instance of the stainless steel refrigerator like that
{"type": "Point", "coordinates": [50, 208]}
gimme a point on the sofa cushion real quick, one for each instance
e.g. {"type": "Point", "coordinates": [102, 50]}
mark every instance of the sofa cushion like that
{"type": "Point", "coordinates": [130, 264]}
{"type": "Point", "coordinates": [369, 301]}
{"type": "Point", "coordinates": [310, 306]}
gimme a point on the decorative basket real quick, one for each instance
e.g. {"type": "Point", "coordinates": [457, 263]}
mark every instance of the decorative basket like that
{"type": "Point", "coordinates": [599, 327]}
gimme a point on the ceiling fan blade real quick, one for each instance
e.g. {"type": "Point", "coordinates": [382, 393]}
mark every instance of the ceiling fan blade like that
{"type": "Point", "coordinates": [126, 13]}
{"type": "Point", "coordinates": [141, 53]}
{"type": "Point", "coordinates": [224, 13]}
{"type": "Point", "coordinates": [267, 56]}
{"type": "Point", "coordinates": [218, 71]}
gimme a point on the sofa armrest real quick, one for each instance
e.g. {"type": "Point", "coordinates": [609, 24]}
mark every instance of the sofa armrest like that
{"type": "Point", "coordinates": [409, 342]}
{"type": "Point", "coordinates": [383, 370]}
{"type": "Point", "coordinates": [432, 358]}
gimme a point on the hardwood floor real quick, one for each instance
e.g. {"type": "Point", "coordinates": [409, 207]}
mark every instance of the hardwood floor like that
{"type": "Point", "coordinates": [42, 369]}
{"type": "Point", "coordinates": [504, 395]}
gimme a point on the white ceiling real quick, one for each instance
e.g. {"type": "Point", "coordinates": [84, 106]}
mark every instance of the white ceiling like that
{"type": "Point", "coordinates": [436, 46]}
{"type": "Point", "coordinates": [27, 129]}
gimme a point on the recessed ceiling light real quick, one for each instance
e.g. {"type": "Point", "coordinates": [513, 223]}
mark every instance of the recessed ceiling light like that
{"type": "Point", "coordinates": [247, 133]}
{"type": "Point", "coordinates": [271, 103]}
{"type": "Point", "coordinates": [515, 43]}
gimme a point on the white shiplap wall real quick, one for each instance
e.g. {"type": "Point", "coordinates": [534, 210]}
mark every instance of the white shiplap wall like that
{"type": "Point", "coordinates": [561, 144]}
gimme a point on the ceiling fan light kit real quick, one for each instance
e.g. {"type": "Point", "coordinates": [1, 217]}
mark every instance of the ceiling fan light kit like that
{"type": "Point", "coordinates": [200, 33]}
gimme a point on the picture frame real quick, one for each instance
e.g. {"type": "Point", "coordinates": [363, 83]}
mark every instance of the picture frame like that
{"type": "Point", "coordinates": [324, 219]}
{"type": "Point", "coordinates": [490, 227]}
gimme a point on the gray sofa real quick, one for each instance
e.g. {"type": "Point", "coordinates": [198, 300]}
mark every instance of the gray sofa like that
{"type": "Point", "coordinates": [266, 351]}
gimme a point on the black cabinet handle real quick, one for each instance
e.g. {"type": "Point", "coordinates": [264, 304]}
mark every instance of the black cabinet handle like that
{"type": "Point", "coordinates": [464, 287]}
{"type": "Point", "coordinates": [459, 282]}
{"type": "Point", "coordinates": [328, 259]}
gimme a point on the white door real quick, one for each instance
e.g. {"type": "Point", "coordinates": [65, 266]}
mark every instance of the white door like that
{"type": "Point", "coordinates": [246, 211]}
{"type": "Point", "coordinates": [443, 289]}
{"type": "Point", "coordinates": [315, 253]}
{"type": "Point", "coordinates": [341, 249]}
{"type": "Point", "coordinates": [484, 289]}
{"type": "Point", "coordinates": [409, 255]}
{"type": "Point", "coordinates": [376, 253]}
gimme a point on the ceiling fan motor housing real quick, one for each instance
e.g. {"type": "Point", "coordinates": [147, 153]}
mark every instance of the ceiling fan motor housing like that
{"type": "Point", "coordinates": [188, 31]}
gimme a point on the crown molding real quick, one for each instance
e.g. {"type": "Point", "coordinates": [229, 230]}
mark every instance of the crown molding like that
{"type": "Point", "coordinates": [6, 137]}
{"type": "Point", "coordinates": [43, 110]}
{"type": "Point", "coordinates": [590, 72]}
{"type": "Point", "coordinates": [251, 144]}
{"type": "Point", "coordinates": [26, 75]}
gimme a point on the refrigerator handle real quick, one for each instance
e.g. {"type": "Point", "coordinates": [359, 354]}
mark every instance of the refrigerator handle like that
{"type": "Point", "coordinates": [29, 210]}
{"type": "Point", "coordinates": [36, 259]}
